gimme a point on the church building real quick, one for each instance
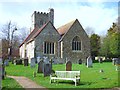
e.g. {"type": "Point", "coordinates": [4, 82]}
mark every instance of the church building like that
{"type": "Point", "coordinates": [68, 42]}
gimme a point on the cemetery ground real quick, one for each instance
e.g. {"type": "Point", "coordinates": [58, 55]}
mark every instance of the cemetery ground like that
{"type": "Point", "coordinates": [90, 77]}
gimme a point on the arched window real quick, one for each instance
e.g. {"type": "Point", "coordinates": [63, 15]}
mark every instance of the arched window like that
{"type": "Point", "coordinates": [76, 44]}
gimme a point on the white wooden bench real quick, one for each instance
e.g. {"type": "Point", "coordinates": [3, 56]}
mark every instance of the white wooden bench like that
{"type": "Point", "coordinates": [66, 75]}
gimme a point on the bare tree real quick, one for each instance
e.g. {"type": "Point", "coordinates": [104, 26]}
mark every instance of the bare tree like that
{"type": "Point", "coordinates": [8, 32]}
{"type": "Point", "coordinates": [23, 33]}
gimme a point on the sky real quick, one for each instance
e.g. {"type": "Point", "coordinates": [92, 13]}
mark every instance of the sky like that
{"type": "Point", "coordinates": [96, 14]}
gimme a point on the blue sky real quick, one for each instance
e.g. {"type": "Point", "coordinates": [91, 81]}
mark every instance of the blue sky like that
{"type": "Point", "coordinates": [98, 15]}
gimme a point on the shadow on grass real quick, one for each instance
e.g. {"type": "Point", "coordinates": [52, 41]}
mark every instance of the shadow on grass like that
{"type": "Point", "coordinates": [73, 83]}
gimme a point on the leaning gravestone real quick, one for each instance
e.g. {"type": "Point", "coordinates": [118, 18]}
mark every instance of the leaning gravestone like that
{"type": "Point", "coordinates": [32, 64]}
{"type": "Point", "coordinates": [89, 62]}
{"type": "Point", "coordinates": [25, 61]}
{"type": "Point", "coordinates": [40, 67]}
{"type": "Point", "coordinates": [69, 66]}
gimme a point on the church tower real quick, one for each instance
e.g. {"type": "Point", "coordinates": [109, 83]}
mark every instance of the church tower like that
{"type": "Point", "coordinates": [40, 18]}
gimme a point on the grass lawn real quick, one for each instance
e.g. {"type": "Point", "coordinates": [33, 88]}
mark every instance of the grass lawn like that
{"type": "Point", "coordinates": [10, 84]}
{"type": "Point", "coordinates": [90, 77]}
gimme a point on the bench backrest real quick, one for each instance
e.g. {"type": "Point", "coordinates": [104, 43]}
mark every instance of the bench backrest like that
{"type": "Point", "coordinates": [67, 74]}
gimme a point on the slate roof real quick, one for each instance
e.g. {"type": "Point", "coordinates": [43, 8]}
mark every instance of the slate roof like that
{"type": "Point", "coordinates": [64, 29]}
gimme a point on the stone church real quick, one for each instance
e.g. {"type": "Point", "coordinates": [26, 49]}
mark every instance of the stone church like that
{"type": "Point", "coordinates": [68, 42]}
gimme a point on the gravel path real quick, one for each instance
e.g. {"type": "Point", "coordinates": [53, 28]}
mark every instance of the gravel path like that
{"type": "Point", "coordinates": [27, 83]}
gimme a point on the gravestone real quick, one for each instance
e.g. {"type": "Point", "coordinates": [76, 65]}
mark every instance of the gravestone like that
{"type": "Point", "coordinates": [47, 69]}
{"type": "Point", "coordinates": [38, 59]}
{"type": "Point", "coordinates": [100, 60]}
{"type": "Point", "coordinates": [6, 62]}
{"type": "Point", "coordinates": [46, 60]}
{"type": "Point", "coordinates": [40, 67]}
{"type": "Point", "coordinates": [80, 61]}
{"type": "Point", "coordinates": [3, 71]}
{"type": "Point", "coordinates": [18, 62]}
{"type": "Point", "coordinates": [25, 61]}
{"type": "Point", "coordinates": [114, 61]}
{"type": "Point", "coordinates": [89, 61]}
{"type": "Point", "coordinates": [32, 64]}
{"type": "Point", "coordinates": [69, 66]}
{"type": "Point", "coordinates": [0, 70]}
{"type": "Point", "coordinates": [117, 64]}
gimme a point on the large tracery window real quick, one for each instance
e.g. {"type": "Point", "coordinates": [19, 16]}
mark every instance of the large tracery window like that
{"type": "Point", "coordinates": [76, 44]}
{"type": "Point", "coordinates": [49, 48]}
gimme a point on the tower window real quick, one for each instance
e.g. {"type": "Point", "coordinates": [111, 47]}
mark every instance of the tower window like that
{"type": "Point", "coordinates": [41, 22]}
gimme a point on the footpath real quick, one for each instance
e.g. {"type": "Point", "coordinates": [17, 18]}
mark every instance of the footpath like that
{"type": "Point", "coordinates": [26, 83]}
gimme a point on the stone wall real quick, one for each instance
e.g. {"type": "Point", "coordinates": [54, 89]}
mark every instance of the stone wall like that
{"type": "Point", "coordinates": [74, 56]}
{"type": "Point", "coordinates": [49, 34]}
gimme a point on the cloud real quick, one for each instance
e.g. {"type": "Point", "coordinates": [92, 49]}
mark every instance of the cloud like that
{"type": "Point", "coordinates": [92, 14]}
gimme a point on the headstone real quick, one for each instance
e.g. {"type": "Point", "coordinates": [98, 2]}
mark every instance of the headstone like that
{"type": "Point", "coordinates": [38, 59]}
{"type": "Point", "coordinates": [6, 62]}
{"type": "Point", "coordinates": [18, 62]}
{"type": "Point", "coordinates": [69, 66]}
{"type": "Point", "coordinates": [100, 60]}
{"type": "Point", "coordinates": [117, 64]}
{"type": "Point", "coordinates": [0, 71]}
{"type": "Point", "coordinates": [89, 61]}
{"type": "Point", "coordinates": [46, 60]}
{"type": "Point", "coordinates": [114, 61]}
{"type": "Point", "coordinates": [40, 67]}
{"type": "Point", "coordinates": [25, 61]}
{"type": "Point", "coordinates": [47, 69]}
{"type": "Point", "coordinates": [3, 71]}
{"type": "Point", "coordinates": [32, 64]}
{"type": "Point", "coordinates": [80, 61]}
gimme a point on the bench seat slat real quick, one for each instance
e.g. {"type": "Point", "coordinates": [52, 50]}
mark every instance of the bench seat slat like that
{"type": "Point", "coordinates": [66, 75]}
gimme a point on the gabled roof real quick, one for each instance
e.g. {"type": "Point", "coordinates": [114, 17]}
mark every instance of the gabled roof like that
{"type": "Point", "coordinates": [34, 33]}
{"type": "Point", "coordinates": [63, 29]}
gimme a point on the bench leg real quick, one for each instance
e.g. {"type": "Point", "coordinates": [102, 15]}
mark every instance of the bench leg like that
{"type": "Point", "coordinates": [50, 81]}
{"type": "Point", "coordinates": [54, 80]}
{"type": "Point", "coordinates": [75, 82]}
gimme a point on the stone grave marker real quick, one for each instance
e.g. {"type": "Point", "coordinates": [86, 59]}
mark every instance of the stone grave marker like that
{"type": "Point", "coordinates": [114, 61]}
{"type": "Point", "coordinates": [89, 61]}
{"type": "Point", "coordinates": [32, 64]}
{"type": "Point", "coordinates": [117, 64]}
{"type": "Point", "coordinates": [38, 59]}
{"type": "Point", "coordinates": [6, 62]}
{"type": "Point", "coordinates": [3, 71]}
{"type": "Point", "coordinates": [25, 61]}
{"type": "Point", "coordinates": [80, 61]}
{"type": "Point", "coordinates": [46, 60]}
{"type": "Point", "coordinates": [40, 67]}
{"type": "Point", "coordinates": [47, 69]}
{"type": "Point", "coordinates": [100, 60]}
{"type": "Point", "coordinates": [69, 66]}
{"type": "Point", "coordinates": [18, 62]}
